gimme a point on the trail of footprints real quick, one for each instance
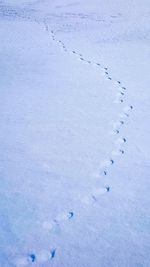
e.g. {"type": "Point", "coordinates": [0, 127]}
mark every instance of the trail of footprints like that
{"type": "Point", "coordinates": [119, 144]}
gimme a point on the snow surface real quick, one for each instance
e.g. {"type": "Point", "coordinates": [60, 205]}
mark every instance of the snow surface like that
{"type": "Point", "coordinates": [75, 116]}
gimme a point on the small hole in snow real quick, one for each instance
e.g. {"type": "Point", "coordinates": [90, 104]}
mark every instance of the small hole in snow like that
{"type": "Point", "coordinates": [32, 257]}
{"type": "Point", "coordinates": [53, 252]}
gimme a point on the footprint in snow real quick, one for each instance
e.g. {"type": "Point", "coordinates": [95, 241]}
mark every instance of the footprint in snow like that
{"type": "Point", "coordinates": [104, 173]}
{"type": "Point", "coordinates": [117, 124]}
{"type": "Point", "coordinates": [116, 127]}
{"type": "Point", "coordinates": [64, 217]}
{"type": "Point", "coordinates": [124, 115]}
{"type": "Point", "coordinates": [116, 101]}
{"type": "Point", "coordinates": [49, 225]}
{"type": "Point", "coordinates": [106, 78]}
{"type": "Point", "coordinates": [45, 255]}
{"type": "Point", "coordinates": [115, 131]}
{"type": "Point", "coordinates": [112, 161]}
{"type": "Point", "coordinates": [32, 258]}
{"type": "Point", "coordinates": [41, 257]}
{"type": "Point", "coordinates": [117, 152]}
{"type": "Point", "coordinates": [128, 108]}
{"type": "Point", "coordinates": [95, 195]}
{"type": "Point", "coordinates": [121, 93]}
{"type": "Point", "coordinates": [120, 141]}
{"type": "Point", "coordinates": [25, 260]}
{"type": "Point", "coordinates": [117, 82]}
{"type": "Point", "coordinates": [52, 253]}
{"type": "Point", "coordinates": [98, 192]}
{"type": "Point", "coordinates": [106, 164]}
{"type": "Point", "coordinates": [121, 151]}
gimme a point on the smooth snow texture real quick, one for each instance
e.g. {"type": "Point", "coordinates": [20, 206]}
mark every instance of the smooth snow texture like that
{"type": "Point", "coordinates": [74, 105]}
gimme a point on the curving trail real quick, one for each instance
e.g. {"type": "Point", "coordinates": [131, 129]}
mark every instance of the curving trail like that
{"type": "Point", "coordinates": [120, 143]}
{"type": "Point", "coordinates": [121, 90]}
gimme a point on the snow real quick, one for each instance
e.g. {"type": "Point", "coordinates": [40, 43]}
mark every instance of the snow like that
{"type": "Point", "coordinates": [74, 161]}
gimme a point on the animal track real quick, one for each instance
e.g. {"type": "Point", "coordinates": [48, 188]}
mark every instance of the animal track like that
{"type": "Point", "coordinates": [100, 191]}
{"type": "Point", "coordinates": [112, 161]}
{"type": "Point", "coordinates": [120, 141]}
{"type": "Point", "coordinates": [117, 152]}
{"type": "Point", "coordinates": [53, 252]}
{"type": "Point", "coordinates": [44, 256]}
{"type": "Point", "coordinates": [122, 151]}
{"type": "Point", "coordinates": [33, 257]}
{"type": "Point", "coordinates": [117, 125]}
{"type": "Point", "coordinates": [49, 225]}
{"type": "Point", "coordinates": [71, 214]}
{"type": "Point", "coordinates": [95, 194]}
{"type": "Point", "coordinates": [40, 257]}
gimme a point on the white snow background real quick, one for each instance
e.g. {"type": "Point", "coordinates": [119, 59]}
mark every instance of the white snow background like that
{"type": "Point", "coordinates": [74, 133]}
